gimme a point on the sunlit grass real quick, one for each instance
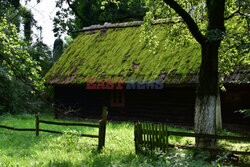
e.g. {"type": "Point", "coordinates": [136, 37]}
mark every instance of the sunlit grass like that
{"type": "Point", "coordinates": [25, 149]}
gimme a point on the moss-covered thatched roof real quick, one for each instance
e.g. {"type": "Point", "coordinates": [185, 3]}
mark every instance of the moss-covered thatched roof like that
{"type": "Point", "coordinates": [120, 53]}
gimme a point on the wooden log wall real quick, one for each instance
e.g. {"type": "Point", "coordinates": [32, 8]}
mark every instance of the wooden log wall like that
{"type": "Point", "coordinates": [171, 104]}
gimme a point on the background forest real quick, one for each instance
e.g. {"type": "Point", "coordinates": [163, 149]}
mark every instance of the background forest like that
{"type": "Point", "coordinates": [19, 92]}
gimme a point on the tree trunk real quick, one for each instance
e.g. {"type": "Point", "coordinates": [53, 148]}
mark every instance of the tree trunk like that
{"type": "Point", "coordinates": [205, 120]}
{"type": "Point", "coordinates": [207, 95]}
{"type": "Point", "coordinates": [207, 92]}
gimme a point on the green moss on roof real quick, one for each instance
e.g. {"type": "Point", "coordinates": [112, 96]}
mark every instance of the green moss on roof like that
{"type": "Point", "coordinates": [120, 53]}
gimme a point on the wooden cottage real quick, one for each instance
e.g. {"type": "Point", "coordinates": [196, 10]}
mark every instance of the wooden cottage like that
{"type": "Point", "coordinates": [111, 65]}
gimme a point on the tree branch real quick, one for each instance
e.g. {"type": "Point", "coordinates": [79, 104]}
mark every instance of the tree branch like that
{"type": "Point", "coordinates": [75, 11]}
{"type": "Point", "coordinates": [232, 15]}
{"type": "Point", "coordinates": [235, 13]}
{"type": "Point", "coordinates": [192, 26]}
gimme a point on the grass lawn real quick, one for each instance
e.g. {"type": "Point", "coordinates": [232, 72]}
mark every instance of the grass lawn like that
{"type": "Point", "coordinates": [53, 150]}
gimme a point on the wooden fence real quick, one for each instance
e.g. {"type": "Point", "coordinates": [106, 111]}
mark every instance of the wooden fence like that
{"type": "Point", "coordinates": [101, 126]}
{"type": "Point", "coordinates": [149, 137]}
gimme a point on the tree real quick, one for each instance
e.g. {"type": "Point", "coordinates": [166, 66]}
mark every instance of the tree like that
{"type": "Point", "coordinates": [15, 57]}
{"type": "Point", "coordinates": [23, 63]}
{"type": "Point", "coordinates": [28, 21]}
{"type": "Point", "coordinates": [41, 53]}
{"type": "Point", "coordinates": [205, 21]}
{"type": "Point", "coordinates": [208, 89]}
{"type": "Point", "coordinates": [89, 12]}
{"type": "Point", "coordinates": [67, 41]}
{"type": "Point", "coordinates": [57, 49]}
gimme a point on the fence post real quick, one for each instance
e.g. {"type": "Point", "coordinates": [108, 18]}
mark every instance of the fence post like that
{"type": "Point", "coordinates": [37, 124]}
{"type": "Point", "coordinates": [102, 128]}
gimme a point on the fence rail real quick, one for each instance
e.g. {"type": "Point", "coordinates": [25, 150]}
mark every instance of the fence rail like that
{"type": "Point", "coordinates": [101, 126]}
{"type": "Point", "coordinates": [16, 129]}
{"type": "Point", "coordinates": [69, 124]}
{"type": "Point", "coordinates": [150, 136]}
{"type": "Point", "coordinates": [184, 134]}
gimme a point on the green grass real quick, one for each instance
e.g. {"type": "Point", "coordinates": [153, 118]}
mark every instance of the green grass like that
{"type": "Point", "coordinates": [53, 150]}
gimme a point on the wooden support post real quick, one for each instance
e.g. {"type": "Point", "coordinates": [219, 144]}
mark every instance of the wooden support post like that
{"type": "Point", "coordinates": [37, 124]}
{"type": "Point", "coordinates": [102, 128]}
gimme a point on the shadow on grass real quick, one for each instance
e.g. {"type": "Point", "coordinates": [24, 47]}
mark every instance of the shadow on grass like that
{"type": "Point", "coordinates": [63, 163]}
{"type": "Point", "coordinates": [97, 159]}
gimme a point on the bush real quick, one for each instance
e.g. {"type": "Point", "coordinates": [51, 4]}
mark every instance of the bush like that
{"type": "Point", "coordinates": [16, 97]}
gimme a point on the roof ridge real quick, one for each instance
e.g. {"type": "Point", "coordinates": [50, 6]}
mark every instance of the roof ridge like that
{"type": "Point", "coordinates": [107, 25]}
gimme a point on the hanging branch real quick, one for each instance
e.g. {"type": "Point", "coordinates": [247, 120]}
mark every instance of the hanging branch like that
{"type": "Point", "coordinates": [75, 11]}
{"type": "Point", "coordinates": [192, 26]}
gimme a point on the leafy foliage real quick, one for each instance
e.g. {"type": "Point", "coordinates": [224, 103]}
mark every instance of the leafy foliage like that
{"type": "Point", "coordinates": [14, 55]}
{"type": "Point", "coordinates": [41, 53]}
{"type": "Point", "coordinates": [17, 14]}
{"type": "Point", "coordinates": [67, 41]}
{"type": "Point", "coordinates": [15, 96]}
{"type": "Point", "coordinates": [82, 13]}
{"type": "Point", "coordinates": [28, 23]}
{"type": "Point", "coordinates": [234, 49]}
{"type": "Point", "coordinates": [22, 64]}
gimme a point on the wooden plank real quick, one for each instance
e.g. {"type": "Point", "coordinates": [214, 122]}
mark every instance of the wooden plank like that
{"type": "Point", "coordinates": [160, 137]}
{"type": "Point", "coordinates": [145, 142]}
{"type": "Point", "coordinates": [184, 134]}
{"type": "Point", "coordinates": [149, 143]}
{"type": "Point", "coordinates": [139, 137]}
{"type": "Point", "coordinates": [142, 133]}
{"type": "Point", "coordinates": [16, 129]}
{"type": "Point", "coordinates": [68, 124]}
{"type": "Point", "coordinates": [163, 138]}
{"type": "Point", "coordinates": [147, 136]}
{"type": "Point", "coordinates": [150, 136]}
{"type": "Point", "coordinates": [157, 136]}
{"type": "Point", "coordinates": [136, 138]}
{"type": "Point", "coordinates": [167, 134]}
{"type": "Point", "coordinates": [43, 130]}
{"type": "Point", "coordinates": [163, 141]}
{"type": "Point", "coordinates": [154, 136]}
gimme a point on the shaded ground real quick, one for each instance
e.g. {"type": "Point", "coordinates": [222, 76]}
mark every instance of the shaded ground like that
{"type": "Point", "coordinates": [52, 150]}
